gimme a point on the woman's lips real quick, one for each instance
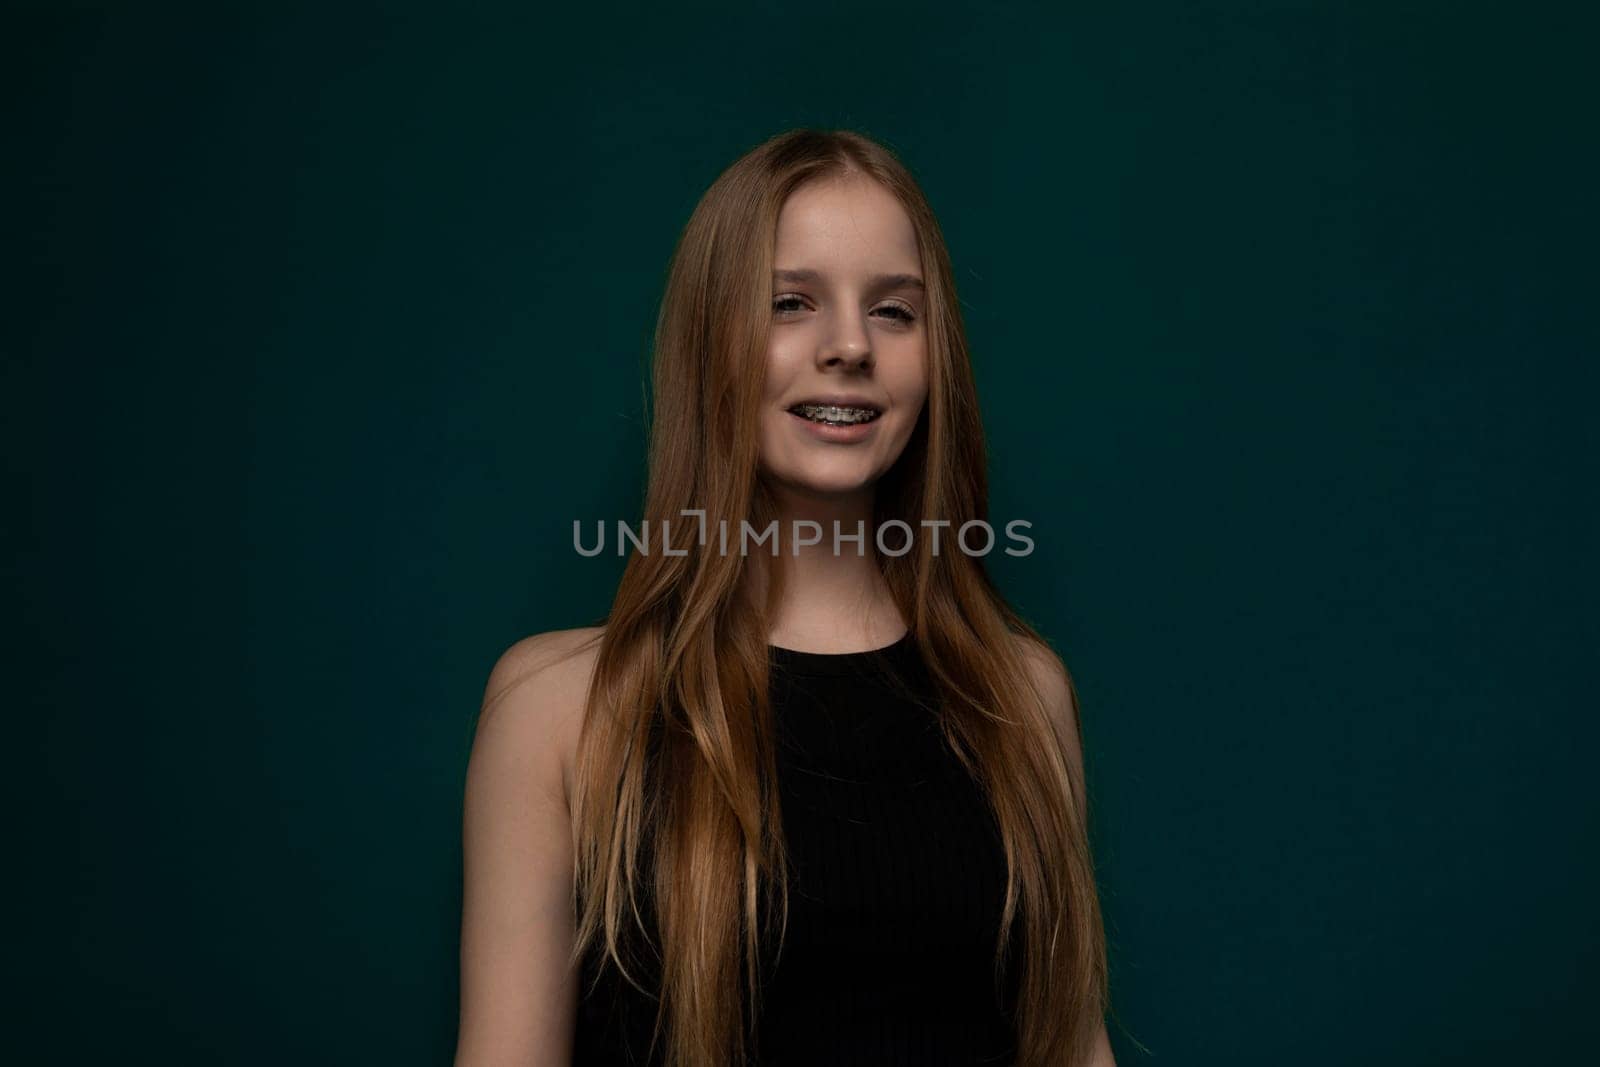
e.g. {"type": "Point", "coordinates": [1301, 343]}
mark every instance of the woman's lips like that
{"type": "Point", "coordinates": [844, 435]}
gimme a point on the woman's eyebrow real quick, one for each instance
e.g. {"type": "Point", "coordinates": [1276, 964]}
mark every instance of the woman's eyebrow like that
{"type": "Point", "coordinates": [881, 281]}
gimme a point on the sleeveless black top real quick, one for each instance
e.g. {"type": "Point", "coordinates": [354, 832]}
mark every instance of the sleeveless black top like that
{"type": "Point", "coordinates": [896, 885]}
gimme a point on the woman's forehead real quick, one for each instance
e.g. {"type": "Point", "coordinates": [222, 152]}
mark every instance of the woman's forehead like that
{"type": "Point", "coordinates": [847, 224]}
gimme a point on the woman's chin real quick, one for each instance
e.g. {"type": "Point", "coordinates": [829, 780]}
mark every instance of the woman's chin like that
{"type": "Point", "coordinates": [827, 482]}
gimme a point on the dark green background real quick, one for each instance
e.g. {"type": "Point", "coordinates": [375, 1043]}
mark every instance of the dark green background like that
{"type": "Point", "coordinates": [328, 321]}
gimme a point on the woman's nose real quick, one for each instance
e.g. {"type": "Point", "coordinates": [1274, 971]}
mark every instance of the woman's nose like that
{"type": "Point", "coordinates": [848, 345]}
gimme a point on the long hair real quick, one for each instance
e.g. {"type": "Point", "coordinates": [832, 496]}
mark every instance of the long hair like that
{"type": "Point", "coordinates": [679, 852]}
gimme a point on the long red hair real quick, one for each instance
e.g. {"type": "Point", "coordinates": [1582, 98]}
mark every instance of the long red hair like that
{"type": "Point", "coordinates": [678, 839]}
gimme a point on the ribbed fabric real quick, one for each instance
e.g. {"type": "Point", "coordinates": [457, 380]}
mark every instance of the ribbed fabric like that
{"type": "Point", "coordinates": [897, 880]}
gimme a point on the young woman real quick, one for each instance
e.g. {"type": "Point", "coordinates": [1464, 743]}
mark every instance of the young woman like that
{"type": "Point", "coordinates": [801, 800]}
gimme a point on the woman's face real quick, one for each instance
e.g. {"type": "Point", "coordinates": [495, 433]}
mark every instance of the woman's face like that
{"type": "Point", "coordinates": [847, 364]}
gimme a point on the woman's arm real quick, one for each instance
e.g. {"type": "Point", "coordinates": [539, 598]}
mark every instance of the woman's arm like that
{"type": "Point", "coordinates": [1050, 676]}
{"type": "Point", "coordinates": [1102, 1051]}
{"type": "Point", "coordinates": [517, 996]}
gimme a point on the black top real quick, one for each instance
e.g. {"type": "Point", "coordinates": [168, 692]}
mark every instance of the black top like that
{"type": "Point", "coordinates": [897, 880]}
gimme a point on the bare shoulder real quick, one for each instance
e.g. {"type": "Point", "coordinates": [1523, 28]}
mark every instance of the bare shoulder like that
{"type": "Point", "coordinates": [534, 700]}
{"type": "Point", "coordinates": [1049, 676]}
{"type": "Point", "coordinates": [553, 662]}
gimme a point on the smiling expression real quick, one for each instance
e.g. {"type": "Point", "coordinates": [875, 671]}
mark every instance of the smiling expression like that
{"type": "Point", "coordinates": [847, 371]}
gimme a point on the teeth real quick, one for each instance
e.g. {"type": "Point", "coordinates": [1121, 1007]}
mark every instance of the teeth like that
{"type": "Point", "coordinates": [832, 413]}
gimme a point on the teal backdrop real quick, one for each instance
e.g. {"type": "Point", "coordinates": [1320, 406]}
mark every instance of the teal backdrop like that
{"type": "Point", "coordinates": [326, 322]}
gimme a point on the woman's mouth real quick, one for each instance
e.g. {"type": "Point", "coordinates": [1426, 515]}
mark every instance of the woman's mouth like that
{"type": "Point", "coordinates": [835, 415]}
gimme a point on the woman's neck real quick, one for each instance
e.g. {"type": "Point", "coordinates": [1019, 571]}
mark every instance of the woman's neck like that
{"type": "Point", "coordinates": [834, 597]}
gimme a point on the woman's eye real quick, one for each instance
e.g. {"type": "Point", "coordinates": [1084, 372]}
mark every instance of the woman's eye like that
{"type": "Point", "coordinates": [899, 312]}
{"type": "Point", "coordinates": [787, 303]}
